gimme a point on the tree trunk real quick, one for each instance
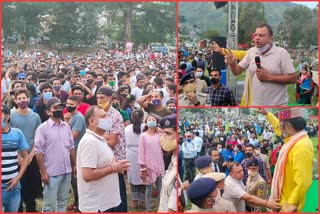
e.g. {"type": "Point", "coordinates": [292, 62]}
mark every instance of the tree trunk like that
{"type": "Point", "coordinates": [128, 21]}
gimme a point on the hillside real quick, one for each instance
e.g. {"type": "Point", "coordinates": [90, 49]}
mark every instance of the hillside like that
{"type": "Point", "coordinates": [205, 16]}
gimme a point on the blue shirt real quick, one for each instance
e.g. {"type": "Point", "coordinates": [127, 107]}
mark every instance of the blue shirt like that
{"type": "Point", "coordinates": [12, 142]}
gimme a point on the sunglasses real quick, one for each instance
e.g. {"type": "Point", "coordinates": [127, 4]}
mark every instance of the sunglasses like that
{"type": "Point", "coordinates": [21, 78]}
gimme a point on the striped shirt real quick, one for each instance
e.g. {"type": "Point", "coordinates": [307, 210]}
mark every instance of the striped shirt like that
{"type": "Point", "coordinates": [12, 142]}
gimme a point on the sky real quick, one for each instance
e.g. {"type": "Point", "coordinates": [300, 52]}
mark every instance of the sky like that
{"type": "Point", "coordinates": [308, 4]}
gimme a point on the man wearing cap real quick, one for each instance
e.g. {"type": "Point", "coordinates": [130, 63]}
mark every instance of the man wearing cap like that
{"type": "Point", "coordinates": [54, 148]}
{"type": "Point", "coordinates": [202, 193]}
{"type": "Point", "coordinates": [257, 154]}
{"type": "Point", "coordinates": [168, 143]}
{"type": "Point", "coordinates": [293, 172]}
{"type": "Point", "coordinates": [189, 150]}
{"type": "Point", "coordinates": [204, 166]}
{"type": "Point", "coordinates": [221, 204]}
{"type": "Point", "coordinates": [191, 97]}
{"type": "Point", "coordinates": [115, 137]}
{"type": "Point", "coordinates": [13, 143]}
{"type": "Point", "coordinates": [256, 185]}
{"type": "Point", "coordinates": [235, 191]}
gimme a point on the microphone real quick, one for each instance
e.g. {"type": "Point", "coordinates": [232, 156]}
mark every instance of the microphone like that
{"type": "Point", "coordinates": [258, 62]}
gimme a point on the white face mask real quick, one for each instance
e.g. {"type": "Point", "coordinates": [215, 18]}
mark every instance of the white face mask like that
{"type": "Point", "coordinates": [252, 174]}
{"type": "Point", "coordinates": [137, 72]}
{"type": "Point", "coordinates": [217, 199]}
{"type": "Point", "coordinates": [199, 74]}
{"type": "Point", "coordinates": [257, 152]}
{"type": "Point", "coordinates": [105, 124]}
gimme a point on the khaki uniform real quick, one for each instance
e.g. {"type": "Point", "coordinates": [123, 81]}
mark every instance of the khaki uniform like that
{"type": "Point", "coordinates": [224, 205]}
{"type": "Point", "coordinates": [202, 97]}
{"type": "Point", "coordinates": [257, 187]}
{"type": "Point", "coordinates": [201, 85]}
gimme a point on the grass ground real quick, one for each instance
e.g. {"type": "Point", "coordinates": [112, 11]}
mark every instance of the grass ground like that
{"type": "Point", "coordinates": [155, 201]}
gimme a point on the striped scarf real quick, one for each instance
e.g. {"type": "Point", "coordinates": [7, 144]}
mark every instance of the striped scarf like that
{"type": "Point", "coordinates": [279, 171]}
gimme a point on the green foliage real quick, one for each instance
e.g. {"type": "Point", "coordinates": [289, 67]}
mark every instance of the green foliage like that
{"type": "Point", "coordinates": [74, 24]}
{"type": "Point", "coordinates": [300, 25]}
{"type": "Point", "coordinates": [251, 15]}
{"type": "Point", "coordinates": [210, 34]}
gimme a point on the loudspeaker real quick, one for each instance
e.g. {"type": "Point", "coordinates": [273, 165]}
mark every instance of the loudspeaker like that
{"type": "Point", "coordinates": [219, 4]}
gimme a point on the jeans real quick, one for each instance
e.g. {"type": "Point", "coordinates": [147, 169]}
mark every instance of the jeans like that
{"type": "Point", "coordinates": [56, 193]}
{"type": "Point", "coordinates": [123, 207]}
{"type": "Point", "coordinates": [11, 199]}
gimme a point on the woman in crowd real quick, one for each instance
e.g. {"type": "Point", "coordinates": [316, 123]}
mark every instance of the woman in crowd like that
{"type": "Point", "coordinates": [150, 158]}
{"type": "Point", "coordinates": [132, 134]}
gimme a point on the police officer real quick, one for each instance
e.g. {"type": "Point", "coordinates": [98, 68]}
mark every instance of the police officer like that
{"type": "Point", "coordinates": [256, 185]}
{"type": "Point", "coordinates": [204, 165]}
{"type": "Point", "coordinates": [191, 97]}
{"type": "Point", "coordinates": [202, 193]}
{"type": "Point", "coordinates": [221, 204]}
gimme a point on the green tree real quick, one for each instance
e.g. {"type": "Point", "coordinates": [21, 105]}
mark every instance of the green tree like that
{"type": "Point", "coordinates": [24, 19]}
{"type": "Point", "coordinates": [300, 25]}
{"type": "Point", "coordinates": [210, 34]}
{"type": "Point", "coordinates": [74, 24]}
{"type": "Point", "coordinates": [251, 15]}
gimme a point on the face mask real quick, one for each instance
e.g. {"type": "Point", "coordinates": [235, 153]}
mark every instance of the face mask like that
{"type": "Point", "coordinates": [248, 154]}
{"type": "Point", "coordinates": [70, 108]}
{"type": "Point", "coordinates": [3, 123]}
{"type": "Point", "coordinates": [152, 124]}
{"type": "Point", "coordinates": [99, 82]}
{"type": "Point", "coordinates": [173, 110]}
{"type": "Point", "coordinates": [23, 104]}
{"type": "Point", "coordinates": [189, 88]}
{"type": "Point", "coordinates": [252, 174]}
{"type": "Point", "coordinates": [156, 102]}
{"type": "Point", "coordinates": [236, 149]}
{"type": "Point", "coordinates": [188, 140]}
{"type": "Point", "coordinates": [89, 81]}
{"type": "Point", "coordinates": [167, 145]}
{"type": "Point", "coordinates": [215, 81]}
{"type": "Point", "coordinates": [264, 48]}
{"type": "Point", "coordinates": [47, 95]}
{"type": "Point", "coordinates": [115, 105]}
{"type": "Point", "coordinates": [57, 114]}
{"type": "Point", "coordinates": [220, 150]}
{"type": "Point", "coordinates": [104, 105]}
{"type": "Point", "coordinates": [82, 73]}
{"type": "Point", "coordinates": [211, 201]}
{"type": "Point", "coordinates": [137, 72]}
{"type": "Point", "coordinates": [218, 197]}
{"type": "Point", "coordinates": [124, 95]}
{"type": "Point", "coordinates": [199, 74]}
{"type": "Point", "coordinates": [105, 124]}
{"type": "Point", "coordinates": [56, 87]}
{"type": "Point", "coordinates": [257, 152]}
{"type": "Point", "coordinates": [112, 83]}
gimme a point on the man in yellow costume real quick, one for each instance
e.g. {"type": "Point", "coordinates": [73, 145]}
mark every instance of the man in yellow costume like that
{"type": "Point", "coordinates": [293, 172]}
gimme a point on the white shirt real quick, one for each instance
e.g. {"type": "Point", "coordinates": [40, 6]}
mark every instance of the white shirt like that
{"type": "Point", "coordinates": [104, 193]}
{"type": "Point", "coordinates": [198, 141]}
{"type": "Point", "coordinates": [137, 92]}
{"type": "Point", "coordinates": [233, 191]}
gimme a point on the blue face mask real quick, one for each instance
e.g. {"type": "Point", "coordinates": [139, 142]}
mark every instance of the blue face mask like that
{"type": "Point", "coordinates": [188, 140]}
{"type": "Point", "coordinates": [152, 124]}
{"type": "Point", "coordinates": [3, 123]}
{"type": "Point", "coordinates": [155, 102]}
{"type": "Point", "coordinates": [47, 95]}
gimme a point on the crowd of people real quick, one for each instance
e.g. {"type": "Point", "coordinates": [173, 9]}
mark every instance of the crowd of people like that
{"type": "Point", "coordinates": [95, 124]}
{"type": "Point", "coordinates": [265, 83]}
{"type": "Point", "coordinates": [244, 163]}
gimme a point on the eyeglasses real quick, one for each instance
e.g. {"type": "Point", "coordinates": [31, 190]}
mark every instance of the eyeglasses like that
{"type": "Point", "coordinates": [21, 78]}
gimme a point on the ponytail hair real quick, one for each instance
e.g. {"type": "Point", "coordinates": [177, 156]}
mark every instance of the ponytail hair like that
{"type": "Point", "coordinates": [136, 117]}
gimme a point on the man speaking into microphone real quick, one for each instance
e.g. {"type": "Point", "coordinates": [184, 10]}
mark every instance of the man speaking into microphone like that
{"type": "Point", "coordinates": [269, 70]}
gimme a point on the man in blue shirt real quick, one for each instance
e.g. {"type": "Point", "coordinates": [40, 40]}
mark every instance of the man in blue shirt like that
{"type": "Point", "coordinates": [14, 144]}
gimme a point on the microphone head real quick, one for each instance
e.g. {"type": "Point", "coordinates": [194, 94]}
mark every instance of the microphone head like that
{"type": "Point", "coordinates": [257, 60]}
